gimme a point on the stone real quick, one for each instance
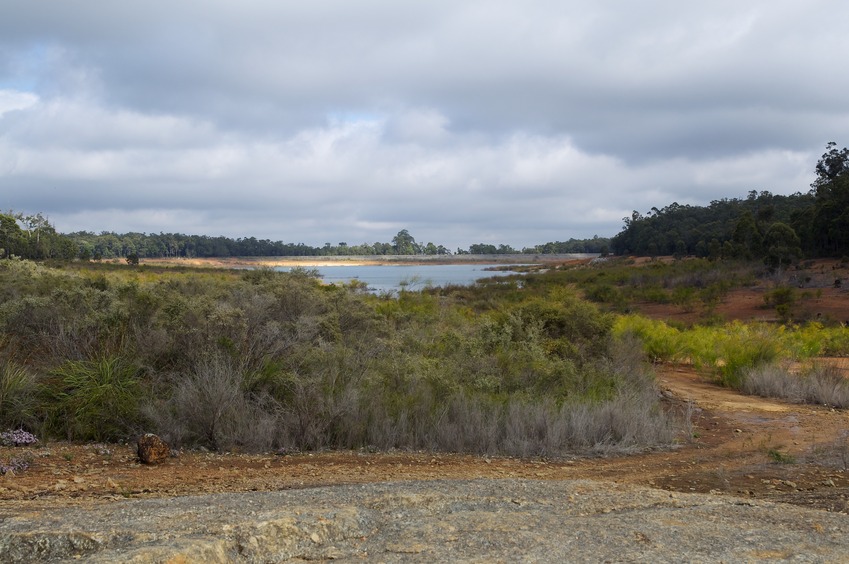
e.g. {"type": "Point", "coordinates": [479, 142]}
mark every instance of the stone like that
{"type": "Point", "coordinates": [152, 449]}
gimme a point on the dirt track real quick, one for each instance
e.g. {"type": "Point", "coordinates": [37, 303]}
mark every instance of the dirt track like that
{"type": "Point", "coordinates": [741, 445]}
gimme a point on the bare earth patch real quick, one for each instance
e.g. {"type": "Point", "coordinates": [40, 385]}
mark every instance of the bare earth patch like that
{"type": "Point", "coordinates": [817, 298]}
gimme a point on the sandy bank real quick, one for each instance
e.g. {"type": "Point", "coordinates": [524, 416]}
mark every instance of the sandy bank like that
{"type": "Point", "coordinates": [237, 262]}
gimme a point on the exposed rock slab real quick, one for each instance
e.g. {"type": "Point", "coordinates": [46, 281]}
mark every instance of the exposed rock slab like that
{"type": "Point", "coordinates": [478, 520]}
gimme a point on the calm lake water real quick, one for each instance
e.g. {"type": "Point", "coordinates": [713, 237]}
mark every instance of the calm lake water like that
{"type": "Point", "coordinates": [390, 278]}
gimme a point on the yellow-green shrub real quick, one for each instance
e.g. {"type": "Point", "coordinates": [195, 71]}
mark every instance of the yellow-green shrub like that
{"type": "Point", "coordinates": [661, 343]}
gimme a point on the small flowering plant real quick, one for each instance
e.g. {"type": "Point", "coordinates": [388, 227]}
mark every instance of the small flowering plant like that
{"type": "Point", "coordinates": [15, 466]}
{"type": "Point", "coordinates": [18, 437]}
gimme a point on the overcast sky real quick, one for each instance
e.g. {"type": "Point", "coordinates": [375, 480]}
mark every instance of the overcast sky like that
{"type": "Point", "coordinates": [464, 122]}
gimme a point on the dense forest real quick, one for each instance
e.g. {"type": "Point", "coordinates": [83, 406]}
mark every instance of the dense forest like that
{"type": "Point", "coordinates": [33, 237]}
{"type": "Point", "coordinates": [776, 228]}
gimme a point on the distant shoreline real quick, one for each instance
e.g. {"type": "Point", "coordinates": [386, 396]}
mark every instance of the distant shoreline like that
{"type": "Point", "coordinates": [375, 260]}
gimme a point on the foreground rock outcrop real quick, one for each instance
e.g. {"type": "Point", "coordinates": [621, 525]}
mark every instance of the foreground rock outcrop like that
{"type": "Point", "coordinates": [486, 520]}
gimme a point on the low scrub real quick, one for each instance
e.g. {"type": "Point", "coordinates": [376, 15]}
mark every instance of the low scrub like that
{"type": "Point", "coordinates": [823, 384]}
{"type": "Point", "coordinates": [690, 284]}
{"type": "Point", "coordinates": [262, 360]}
{"type": "Point", "coordinates": [211, 407]}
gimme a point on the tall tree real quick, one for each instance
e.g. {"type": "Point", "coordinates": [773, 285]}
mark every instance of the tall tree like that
{"type": "Point", "coordinates": [830, 227]}
{"type": "Point", "coordinates": [782, 245]}
{"type": "Point", "coordinates": [11, 236]}
{"type": "Point", "coordinates": [832, 164]}
{"type": "Point", "coordinates": [404, 243]}
{"type": "Point", "coordinates": [747, 238]}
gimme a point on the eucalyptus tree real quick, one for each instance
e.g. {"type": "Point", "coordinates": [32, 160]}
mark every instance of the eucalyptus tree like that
{"type": "Point", "coordinates": [830, 226]}
{"type": "Point", "coordinates": [11, 236]}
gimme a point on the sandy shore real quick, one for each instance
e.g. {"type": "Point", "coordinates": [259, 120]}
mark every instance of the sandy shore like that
{"type": "Point", "coordinates": [237, 262]}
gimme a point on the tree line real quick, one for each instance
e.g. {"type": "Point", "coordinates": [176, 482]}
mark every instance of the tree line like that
{"type": "Point", "coordinates": [112, 245]}
{"type": "Point", "coordinates": [33, 237]}
{"type": "Point", "coordinates": [775, 228]}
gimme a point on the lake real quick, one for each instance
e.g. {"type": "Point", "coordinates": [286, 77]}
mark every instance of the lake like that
{"type": "Point", "coordinates": [391, 277]}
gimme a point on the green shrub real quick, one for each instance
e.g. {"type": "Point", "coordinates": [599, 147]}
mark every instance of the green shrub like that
{"type": "Point", "coordinates": [661, 343]}
{"type": "Point", "coordinates": [96, 399]}
{"type": "Point", "coordinates": [684, 297]}
{"type": "Point", "coordinates": [782, 299]}
{"type": "Point", "coordinates": [784, 295]}
{"type": "Point", "coordinates": [725, 350]}
{"type": "Point", "coordinates": [606, 294]}
{"type": "Point", "coordinates": [736, 356]}
{"type": "Point", "coordinates": [653, 294]}
{"type": "Point", "coordinates": [18, 396]}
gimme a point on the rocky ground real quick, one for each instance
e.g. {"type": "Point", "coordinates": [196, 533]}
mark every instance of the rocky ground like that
{"type": "Point", "coordinates": [437, 521]}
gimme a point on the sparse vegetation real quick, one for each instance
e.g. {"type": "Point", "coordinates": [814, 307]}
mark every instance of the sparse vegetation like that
{"type": "Point", "coordinates": [730, 350]}
{"type": "Point", "coordinates": [776, 455]}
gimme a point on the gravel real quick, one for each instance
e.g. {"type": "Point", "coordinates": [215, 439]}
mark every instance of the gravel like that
{"type": "Point", "coordinates": [458, 521]}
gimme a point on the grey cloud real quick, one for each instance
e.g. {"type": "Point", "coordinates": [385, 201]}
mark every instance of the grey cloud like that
{"type": "Point", "coordinates": [519, 121]}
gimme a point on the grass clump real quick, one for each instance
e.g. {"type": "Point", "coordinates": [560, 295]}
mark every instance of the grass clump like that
{"type": "Point", "coordinates": [779, 457]}
{"type": "Point", "coordinates": [822, 384]}
{"type": "Point", "coordinates": [95, 399]}
{"type": "Point", "coordinates": [18, 395]}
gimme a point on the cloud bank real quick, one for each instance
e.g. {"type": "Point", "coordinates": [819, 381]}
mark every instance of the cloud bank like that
{"type": "Point", "coordinates": [331, 121]}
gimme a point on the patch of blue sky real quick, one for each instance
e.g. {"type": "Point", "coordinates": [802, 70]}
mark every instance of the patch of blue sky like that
{"type": "Point", "coordinates": [18, 84]}
{"type": "Point", "coordinates": [26, 69]}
